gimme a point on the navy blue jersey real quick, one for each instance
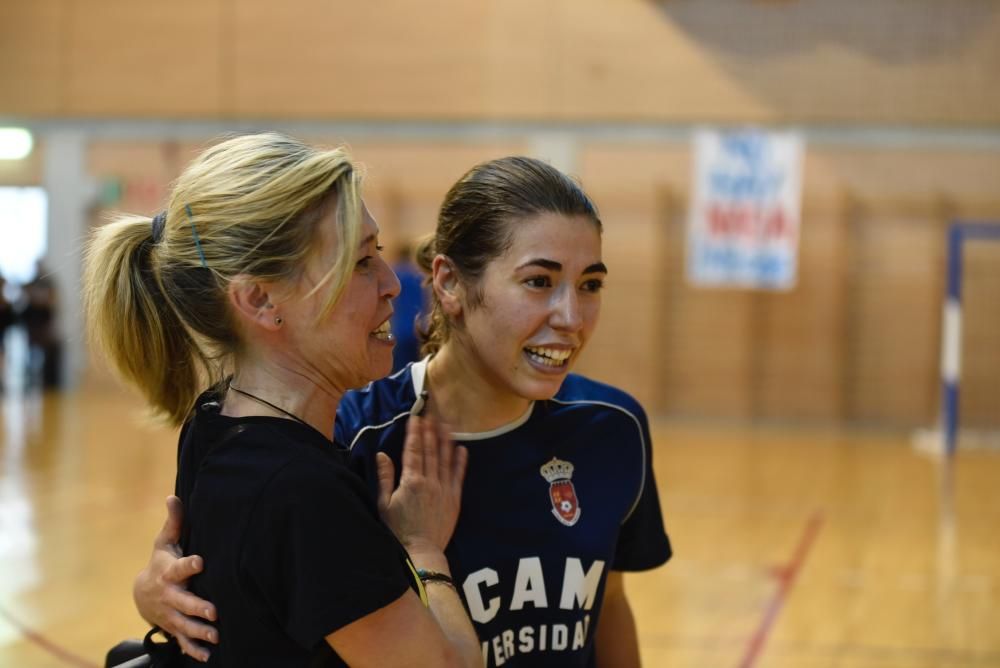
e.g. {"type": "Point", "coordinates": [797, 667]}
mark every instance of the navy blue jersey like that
{"type": "Point", "coordinates": [551, 502]}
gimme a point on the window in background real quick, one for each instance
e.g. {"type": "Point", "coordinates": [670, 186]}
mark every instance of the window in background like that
{"type": "Point", "coordinates": [23, 213]}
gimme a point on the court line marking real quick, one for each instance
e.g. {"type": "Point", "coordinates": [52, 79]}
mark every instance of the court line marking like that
{"type": "Point", "coordinates": [722, 644]}
{"type": "Point", "coordinates": [41, 641]}
{"type": "Point", "coordinates": [786, 579]}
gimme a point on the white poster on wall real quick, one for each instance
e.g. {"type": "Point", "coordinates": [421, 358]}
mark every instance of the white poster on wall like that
{"type": "Point", "coordinates": [743, 229]}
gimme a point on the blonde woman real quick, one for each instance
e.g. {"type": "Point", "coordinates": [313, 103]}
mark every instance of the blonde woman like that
{"type": "Point", "coordinates": [560, 500]}
{"type": "Point", "coordinates": [262, 281]}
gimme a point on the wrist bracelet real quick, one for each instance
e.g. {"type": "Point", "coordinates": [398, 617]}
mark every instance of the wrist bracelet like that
{"type": "Point", "coordinates": [427, 576]}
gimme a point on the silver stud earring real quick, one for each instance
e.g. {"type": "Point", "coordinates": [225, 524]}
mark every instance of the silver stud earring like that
{"type": "Point", "coordinates": [278, 320]}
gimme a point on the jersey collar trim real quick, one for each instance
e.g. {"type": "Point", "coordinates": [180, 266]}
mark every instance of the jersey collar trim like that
{"type": "Point", "coordinates": [418, 373]}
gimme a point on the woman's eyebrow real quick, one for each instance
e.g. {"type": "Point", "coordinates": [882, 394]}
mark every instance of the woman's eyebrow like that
{"type": "Point", "coordinates": [552, 265]}
{"type": "Point", "coordinates": [543, 263]}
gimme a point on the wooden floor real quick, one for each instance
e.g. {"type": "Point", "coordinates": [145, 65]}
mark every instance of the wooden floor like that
{"type": "Point", "coordinates": [794, 547]}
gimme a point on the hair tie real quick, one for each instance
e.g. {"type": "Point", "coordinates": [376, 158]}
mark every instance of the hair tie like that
{"type": "Point", "coordinates": [194, 233]}
{"type": "Point", "coordinates": [159, 221]}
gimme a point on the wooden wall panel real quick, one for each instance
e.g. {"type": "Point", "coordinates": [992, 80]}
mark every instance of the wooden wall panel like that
{"type": "Point", "coordinates": [711, 358]}
{"type": "Point", "coordinates": [368, 60]}
{"type": "Point", "coordinates": [423, 168]}
{"type": "Point", "coordinates": [898, 61]}
{"type": "Point", "coordinates": [630, 60]}
{"type": "Point", "coordinates": [387, 60]}
{"type": "Point", "coordinates": [129, 58]}
{"type": "Point", "coordinates": [32, 57]}
{"type": "Point", "coordinates": [979, 401]}
{"type": "Point", "coordinates": [405, 184]}
{"type": "Point", "coordinates": [727, 61]}
{"type": "Point", "coordinates": [799, 359]}
{"type": "Point", "coordinates": [895, 321]}
{"type": "Point", "coordinates": [882, 174]}
{"type": "Point", "coordinates": [624, 348]}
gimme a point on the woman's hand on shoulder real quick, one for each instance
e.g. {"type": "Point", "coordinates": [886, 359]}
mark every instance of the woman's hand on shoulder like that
{"type": "Point", "coordinates": [423, 510]}
{"type": "Point", "coordinates": [160, 589]}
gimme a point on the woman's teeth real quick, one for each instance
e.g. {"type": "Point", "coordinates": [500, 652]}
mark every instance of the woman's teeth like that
{"type": "Point", "coordinates": [384, 332]}
{"type": "Point", "coordinates": [549, 356]}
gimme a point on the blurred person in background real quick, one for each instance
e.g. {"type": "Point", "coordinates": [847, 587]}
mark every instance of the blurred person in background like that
{"type": "Point", "coordinates": [407, 309]}
{"type": "Point", "coordinates": [38, 312]}
{"type": "Point", "coordinates": [6, 320]}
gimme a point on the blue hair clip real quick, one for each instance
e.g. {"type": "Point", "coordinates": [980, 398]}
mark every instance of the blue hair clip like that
{"type": "Point", "coordinates": [194, 233]}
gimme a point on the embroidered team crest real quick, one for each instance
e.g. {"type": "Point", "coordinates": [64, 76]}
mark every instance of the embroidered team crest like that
{"type": "Point", "coordinates": [565, 506]}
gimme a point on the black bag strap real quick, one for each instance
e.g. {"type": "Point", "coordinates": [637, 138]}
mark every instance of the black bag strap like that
{"type": "Point", "coordinates": [161, 654]}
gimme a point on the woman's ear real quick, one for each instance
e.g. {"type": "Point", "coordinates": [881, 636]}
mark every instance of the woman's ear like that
{"type": "Point", "coordinates": [447, 286]}
{"type": "Point", "coordinates": [250, 300]}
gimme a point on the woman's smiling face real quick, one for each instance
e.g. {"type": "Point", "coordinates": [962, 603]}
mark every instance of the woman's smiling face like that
{"type": "Point", "coordinates": [536, 305]}
{"type": "Point", "coordinates": [352, 344]}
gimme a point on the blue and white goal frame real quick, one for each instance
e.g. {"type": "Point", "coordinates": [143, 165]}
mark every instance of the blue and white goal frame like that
{"type": "Point", "coordinates": [951, 331]}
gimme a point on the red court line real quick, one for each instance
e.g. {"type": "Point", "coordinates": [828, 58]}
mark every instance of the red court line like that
{"type": "Point", "coordinates": [41, 641]}
{"type": "Point", "coordinates": [786, 578]}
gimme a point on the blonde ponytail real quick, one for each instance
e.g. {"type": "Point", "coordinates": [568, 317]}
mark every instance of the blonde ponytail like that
{"type": "Point", "coordinates": [131, 321]}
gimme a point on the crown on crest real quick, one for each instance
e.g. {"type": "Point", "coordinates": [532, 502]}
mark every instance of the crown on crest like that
{"type": "Point", "coordinates": [557, 469]}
